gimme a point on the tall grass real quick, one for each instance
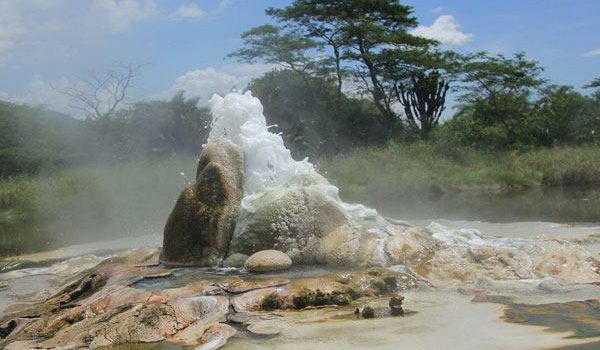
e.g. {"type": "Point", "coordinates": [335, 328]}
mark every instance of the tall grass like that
{"type": "Point", "coordinates": [433, 168]}
{"type": "Point", "coordinates": [89, 204]}
{"type": "Point", "coordinates": [28, 206]}
{"type": "Point", "coordinates": [563, 166]}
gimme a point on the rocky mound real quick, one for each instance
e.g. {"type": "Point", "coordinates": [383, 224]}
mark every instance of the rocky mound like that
{"type": "Point", "coordinates": [199, 229]}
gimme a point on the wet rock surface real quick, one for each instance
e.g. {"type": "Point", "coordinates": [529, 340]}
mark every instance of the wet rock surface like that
{"type": "Point", "coordinates": [100, 307]}
{"type": "Point", "coordinates": [199, 228]}
{"type": "Point", "coordinates": [235, 260]}
{"type": "Point", "coordinates": [267, 261]}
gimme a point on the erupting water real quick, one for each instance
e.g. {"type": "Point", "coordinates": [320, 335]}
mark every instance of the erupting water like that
{"type": "Point", "coordinates": [464, 254]}
{"type": "Point", "coordinates": [239, 118]}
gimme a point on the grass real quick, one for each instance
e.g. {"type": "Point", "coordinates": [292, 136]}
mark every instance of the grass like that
{"type": "Point", "coordinates": [105, 202]}
{"type": "Point", "coordinates": [89, 204]}
{"type": "Point", "coordinates": [430, 168]}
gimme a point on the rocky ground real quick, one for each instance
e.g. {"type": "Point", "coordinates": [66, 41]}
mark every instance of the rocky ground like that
{"type": "Point", "coordinates": [107, 305]}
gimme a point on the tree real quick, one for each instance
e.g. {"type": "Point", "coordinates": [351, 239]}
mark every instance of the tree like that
{"type": "Point", "coordinates": [498, 91]}
{"type": "Point", "coordinates": [300, 17]}
{"type": "Point", "coordinates": [99, 95]}
{"type": "Point", "coordinates": [274, 45]}
{"type": "Point", "coordinates": [305, 110]}
{"type": "Point", "coordinates": [149, 129]}
{"type": "Point", "coordinates": [497, 79]}
{"type": "Point", "coordinates": [364, 36]}
{"type": "Point", "coordinates": [423, 101]}
{"type": "Point", "coordinates": [558, 114]}
{"type": "Point", "coordinates": [594, 84]}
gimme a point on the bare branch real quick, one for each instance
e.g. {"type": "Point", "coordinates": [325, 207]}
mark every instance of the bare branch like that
{"type": "Point", "coordinates": [99, 95]}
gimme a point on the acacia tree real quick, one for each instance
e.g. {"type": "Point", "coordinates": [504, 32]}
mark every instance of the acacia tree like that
{"type": "Point", "coordinates": [99, 95]}
{"type": "Point", "coordinates": [362, 35]}
{"type": "Point", "coordinates": [498, 90]}
{"type": "Point", "coordinates": [498, 79]}
{"type": "Point", "coordinates": [301, 17]}
{"type": "Point", "coordinates": [594, 84]}
{"type": "Point", "coordinates": [277, 46]}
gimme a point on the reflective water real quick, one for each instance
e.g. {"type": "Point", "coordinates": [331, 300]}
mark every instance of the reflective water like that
{"type": "Point", "coordinates": [565, 205]}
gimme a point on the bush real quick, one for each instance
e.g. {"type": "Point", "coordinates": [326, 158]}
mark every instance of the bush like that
{"type": "Point", "coordinates": [434, 169]}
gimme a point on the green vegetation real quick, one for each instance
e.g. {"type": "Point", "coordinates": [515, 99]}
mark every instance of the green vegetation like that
{"type": "Point", "coordinates": [355, 91]}
{"type": "Point", "coordinates": [437, 168]}
{"type": "Point", "coordinates": [309, 297]}
{"type": "Point", "coordinates": [82, 204]}
{"type": "Point", "coordinates": [30, 207]}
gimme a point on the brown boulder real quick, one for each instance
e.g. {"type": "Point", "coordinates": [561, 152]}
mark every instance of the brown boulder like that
{"type": "Point", "coordinates": [198, 231]}
{"type": "Point", "coordinates": [268, 260]}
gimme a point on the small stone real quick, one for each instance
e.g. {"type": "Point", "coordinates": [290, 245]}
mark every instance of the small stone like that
{"type": "Point", "coordinates": [368, 312]}
{"type": "Point", "coordinates": [344, 278]}
{"type": "Point", "coordinates": [238, 318]}
{"type": "Point", "coordinates": [235, 260]}
{"type": "Point", "coordinates": [265, 328]}
{"type": "Point", "coordinates": [375, 272]}
{"type": "Point", "coordinates": [268, 260]}
{"type": "Point", "coordinates": [215, 336]}
{"type": "Point", "coordinates": [396, 305]}
{"type": "Point", "coordinates": [550, 285]}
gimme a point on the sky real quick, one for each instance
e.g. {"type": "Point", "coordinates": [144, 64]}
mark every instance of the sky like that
{"type": "Point", "coordinates": [183, 43]}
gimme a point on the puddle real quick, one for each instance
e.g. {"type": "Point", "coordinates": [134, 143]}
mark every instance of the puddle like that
{"type": "Point", "coordinates": [580, 317]}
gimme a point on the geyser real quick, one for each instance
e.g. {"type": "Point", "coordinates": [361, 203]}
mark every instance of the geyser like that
{"type": "Point", "coordinates": [287, 206]}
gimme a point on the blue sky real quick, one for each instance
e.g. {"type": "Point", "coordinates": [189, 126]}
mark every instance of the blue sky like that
{"type": "Point", "coordinates": [52, 42]}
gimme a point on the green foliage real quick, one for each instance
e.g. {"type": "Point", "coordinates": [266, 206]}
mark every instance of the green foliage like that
{"type": "Point", "coordinates": [559, 116]}
{"type": "Point", "coordinates": [31, 139]}
{"type": "Point", "coordinates": [35, 211]}
{"type": "Point", "coordinates": [369, 38]}
{"type": "Point", "coordinates": [594, 84]}
{"type": "Point", "coordinates": [274, 45]}
{"type": "Point", "coordinates": [270, 303]}
{"type": "Point", "coordinates": [150, 130]}
{"type": "Point", "coordinates": [313, 119]}
{"type": "Point", "coordinates": [497, 93]}
{"type": "Point", "coordinates": [87, 204]}
{"type": "Point", "coordinates": [309, 297]}
{"type": "Point", "coordinates": [436, 168]}
{"type": "Point", "coordinates": [496, 77]}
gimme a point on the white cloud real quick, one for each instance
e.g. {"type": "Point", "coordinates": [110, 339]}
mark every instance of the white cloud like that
{"type": "Point", "coordinates": [120, 14]}
{"type": "Point", "coordinates": [41, 93]}
{"type": "Point", "coordinates": [224, 4]}
{"type": "Point", "coordinates": [437, 10]}
{"type": "Point", "coordinates": [444, 29]}
{"type": "Point", "coordinates": [188, 11]}
{"type": "Point", "coordinates": [591, 53]}
{"type": "Point", "coordinates": [205, 82]}
{"type": "Point", "coordinates": [43, 29]}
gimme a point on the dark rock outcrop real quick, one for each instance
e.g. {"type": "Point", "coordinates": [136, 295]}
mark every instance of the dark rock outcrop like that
{"type": "Point", "coordinates": [199, 228]}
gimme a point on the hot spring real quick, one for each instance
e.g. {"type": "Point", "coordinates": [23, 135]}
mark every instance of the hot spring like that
{"type": "Point", "coordinates": [459, 284]}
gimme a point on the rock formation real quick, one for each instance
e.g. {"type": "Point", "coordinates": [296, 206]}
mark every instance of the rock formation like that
{"type": "Point", "coordinates": [268, 260]}
{"type": "Point", "coordinates": [199, 228]}
{"type": "Point", "coordinates": [291, 218]}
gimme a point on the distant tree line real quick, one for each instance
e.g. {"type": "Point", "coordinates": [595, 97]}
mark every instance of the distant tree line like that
{"type": "Point", "coordinates": [365, 47]}
{"type": "Point", "coordinates": [34, 140]}
{"type": "Point", "coordinates": [349, 75]}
